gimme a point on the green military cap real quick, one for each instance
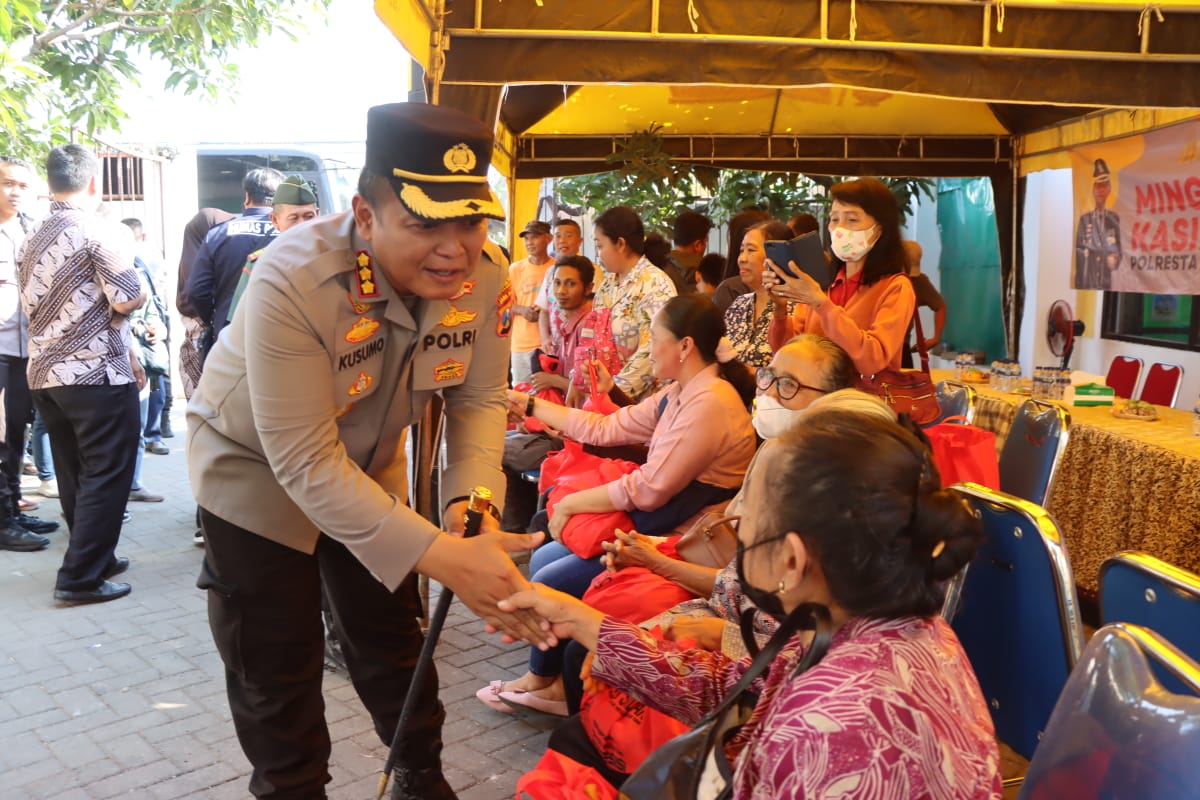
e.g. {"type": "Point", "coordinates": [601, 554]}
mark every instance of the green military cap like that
{"type": "Point", "coordinates": [294, 191]}
{"type": "Point", "coordinates": [437, 159]}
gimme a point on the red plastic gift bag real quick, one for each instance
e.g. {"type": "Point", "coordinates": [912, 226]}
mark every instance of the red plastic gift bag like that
{"type": "Point", "coordinates": [634, 594]}
{"type": "Point", "coordinates": [964, 453]}
{"type": "Point", "coordinates": [557, 777]}
{"type": "Point", "coordinates": [572, 470]}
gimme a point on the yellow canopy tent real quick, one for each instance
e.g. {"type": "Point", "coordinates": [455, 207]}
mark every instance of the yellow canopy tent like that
{"type": "Point", "coordinates": [873, 87]}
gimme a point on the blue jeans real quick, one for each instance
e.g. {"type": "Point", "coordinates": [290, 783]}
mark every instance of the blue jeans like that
{"type": "Point", "coordinates": [143, 409]}
{"type": "Point", "coordinates": [43, 459]}
{"type": "Point", "coordinates": [152, 424]}
{"type": "Point", "coordinates": [554, 565]}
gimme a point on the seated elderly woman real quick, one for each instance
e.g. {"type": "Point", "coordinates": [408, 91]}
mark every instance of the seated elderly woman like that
{"type": "Point", "coordinates": [748, 317]}
{"type": "Point", "coordinates": [683, 473]}
{"type": "Point", "coordinates": [845, 512]}
{"type": "Point", "coordinates": [809, 370]}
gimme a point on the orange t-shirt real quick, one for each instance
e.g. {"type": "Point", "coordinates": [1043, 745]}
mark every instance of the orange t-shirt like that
{"type": "Point", "coordinates": [526, 280]}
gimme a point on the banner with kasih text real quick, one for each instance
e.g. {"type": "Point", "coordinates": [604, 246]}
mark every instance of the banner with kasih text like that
{"type": "Point", "coordinates": [1137, 206]}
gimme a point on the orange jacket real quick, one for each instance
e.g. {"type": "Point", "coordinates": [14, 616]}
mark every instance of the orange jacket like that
{"type": "Point", "coordinates": [871, 327]}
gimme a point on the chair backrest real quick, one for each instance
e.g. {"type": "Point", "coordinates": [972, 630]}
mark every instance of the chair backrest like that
{"type": "Point", "coordinates": [1033, 448]}
{"type": "Point", "coordinates": [1161, 386]}
{"type": "Point", "coordinates": [1139, 588]}
{"type": "Point", "coordinates": [1116, 732]}
{"type": "Point", "coordinates": [1018, 619]}
{"type": "Point", "coordinates": [1123, 374]}
{"type": "Point", "coordinates": [955, 400]}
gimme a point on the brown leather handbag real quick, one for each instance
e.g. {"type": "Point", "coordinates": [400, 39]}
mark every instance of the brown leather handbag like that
{"type": "Point", "coordinates": [907, 391]}
{"type": "Point", "coordinates": [711, 542]}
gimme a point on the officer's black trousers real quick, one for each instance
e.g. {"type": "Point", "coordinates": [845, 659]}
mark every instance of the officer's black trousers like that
{"type": "Point", "coordinates": [16, 406]}
{"type": "Point", "coordinates": [264, 608]}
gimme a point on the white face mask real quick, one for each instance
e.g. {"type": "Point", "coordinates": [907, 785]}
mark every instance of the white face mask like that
{"type": "Point", "coordinates": [851, 245]}
{"type": "Point", "coordinates": [772, 419]}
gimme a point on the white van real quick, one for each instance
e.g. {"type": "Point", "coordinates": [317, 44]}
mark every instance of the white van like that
{"type": "Point", "coordinates": [220, 169]}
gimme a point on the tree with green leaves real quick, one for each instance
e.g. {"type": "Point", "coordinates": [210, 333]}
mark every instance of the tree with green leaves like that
{"type": "Point", "coordinates": [659, 188]}
{"type": "Point", "coordinates": [65, 63]}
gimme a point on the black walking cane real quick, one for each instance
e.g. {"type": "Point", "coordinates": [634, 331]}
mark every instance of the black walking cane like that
{"type": "Point", "coordinates": [481, 499]}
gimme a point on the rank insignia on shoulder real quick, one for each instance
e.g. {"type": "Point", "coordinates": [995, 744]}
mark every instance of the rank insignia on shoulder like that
{"type": "Point", "coordinates": [449, 370]}
{"type": "Point", "coordinates": [467, 288]}
{"type": "Point", "coordinates": [361, 330]}
{"type": "Point", "coordinates": [360, 385]}
{"type": "Point", "coordinates": [364, 273]}
{"type": "Point", "coordinates": [455, 317]}
{"type": "Point", "coordinates": [504, 304]}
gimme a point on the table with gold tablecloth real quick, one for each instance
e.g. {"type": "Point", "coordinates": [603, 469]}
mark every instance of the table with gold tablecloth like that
{"type": "Point", "coordinates": [1121, 485]}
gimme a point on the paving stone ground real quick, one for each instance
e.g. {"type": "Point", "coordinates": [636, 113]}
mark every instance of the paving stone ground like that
{"type": "Point", "coordinates": [127, 698]}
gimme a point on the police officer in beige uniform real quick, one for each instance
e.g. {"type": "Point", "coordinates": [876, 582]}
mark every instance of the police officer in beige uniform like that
{"type": "Point", "coordinates": [296, 434]}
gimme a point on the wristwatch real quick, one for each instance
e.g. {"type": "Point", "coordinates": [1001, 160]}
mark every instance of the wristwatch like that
{"type": "Point", "coordinates": [529, 406]}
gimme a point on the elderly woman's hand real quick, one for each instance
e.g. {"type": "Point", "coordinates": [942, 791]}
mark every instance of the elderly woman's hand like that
{"type": "Point", "coordinates": [631, 549]}
{"type": "Point", "coordinates": [706, 632]}
{"type": "Point", "coordinates": [563, 511]}
{"type": "Point", "coordinates": [783, 287]}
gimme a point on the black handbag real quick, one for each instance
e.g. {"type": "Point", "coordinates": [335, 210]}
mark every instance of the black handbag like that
{"type": "Point", "coordinates": [679, 769]}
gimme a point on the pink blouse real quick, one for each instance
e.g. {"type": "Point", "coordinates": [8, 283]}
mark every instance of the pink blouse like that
{"type": "Point", "coordinates": [892, 711]}
{"type": "Point", "coordinates": [704, 434]}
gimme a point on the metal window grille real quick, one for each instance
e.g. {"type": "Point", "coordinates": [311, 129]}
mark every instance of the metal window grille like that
{"type": "Point", "coordinates": [123, 177]}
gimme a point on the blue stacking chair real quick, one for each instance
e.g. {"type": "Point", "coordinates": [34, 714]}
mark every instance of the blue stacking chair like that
{"type": "Point", "coordinates": [1139, 588]}
{"type": "Point", "coordinates": [1032, 450]}
{"type": "Point", "coordinates": [1116, 732]}
{"type": "Point", "coordinates": [955, 400]}
{"type": "Point", "coordinates": [1018, 618]}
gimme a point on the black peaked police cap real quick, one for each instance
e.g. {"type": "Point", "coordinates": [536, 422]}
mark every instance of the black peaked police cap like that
{"type": "Point", "coordinates": [437, 157]}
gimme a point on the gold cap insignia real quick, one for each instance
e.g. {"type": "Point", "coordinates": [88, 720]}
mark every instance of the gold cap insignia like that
{"type": "Point", "coordinates": [459, 158]}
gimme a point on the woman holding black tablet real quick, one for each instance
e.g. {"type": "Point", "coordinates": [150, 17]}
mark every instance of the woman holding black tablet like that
{"type": "Point", "coordinates": [868, 307]}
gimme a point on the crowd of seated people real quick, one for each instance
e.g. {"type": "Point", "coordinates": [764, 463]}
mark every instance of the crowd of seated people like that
{"type": "Point", "coordinates": [844, 509]}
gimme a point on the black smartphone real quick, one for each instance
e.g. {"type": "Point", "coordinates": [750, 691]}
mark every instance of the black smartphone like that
{"type": "Point", "coordinates": [808, 254]}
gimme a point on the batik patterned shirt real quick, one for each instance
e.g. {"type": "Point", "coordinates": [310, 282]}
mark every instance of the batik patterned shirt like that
{"type": "Point", "coordinates": [73, 267]}
{"type": "Point", "coordinates": [634, 300]}
{"type": "Point", "coordinates": [747, 333]}
{"type": "Point", "coordinates": [893, 711]}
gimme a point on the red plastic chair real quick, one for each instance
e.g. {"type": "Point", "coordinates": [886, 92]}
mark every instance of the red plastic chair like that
{"type": "Point", "coordinates": [1162, 384]}
{"type": "Point", "coordinates": [1123, 374]}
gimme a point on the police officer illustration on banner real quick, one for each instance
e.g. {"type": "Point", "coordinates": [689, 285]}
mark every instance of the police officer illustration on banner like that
{"type": "Point", "coordinates": [1098, 236]}
{"type": "Point", "coordinates": [348, 326]}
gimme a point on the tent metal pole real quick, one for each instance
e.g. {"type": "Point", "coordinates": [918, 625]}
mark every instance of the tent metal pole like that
{"type": "Point", "coordinates": [825, 44]}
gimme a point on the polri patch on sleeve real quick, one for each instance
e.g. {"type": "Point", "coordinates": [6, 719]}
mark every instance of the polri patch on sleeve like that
{"type": "Point", "coordinates": [364, 274]}
{"type": "Point", "coordinates": [504, 305]}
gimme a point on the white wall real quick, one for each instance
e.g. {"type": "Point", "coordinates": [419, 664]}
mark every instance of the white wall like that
{"type": "Point", "coordinates": [1049, 254]}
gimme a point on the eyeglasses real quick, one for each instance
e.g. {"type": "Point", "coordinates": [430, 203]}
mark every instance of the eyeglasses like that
{"type": "Point", "coordinates": [786, 386]}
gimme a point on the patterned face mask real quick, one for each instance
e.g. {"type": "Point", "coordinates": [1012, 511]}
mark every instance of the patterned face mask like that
{"type": "Point", "coordinates": [851, 245]}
